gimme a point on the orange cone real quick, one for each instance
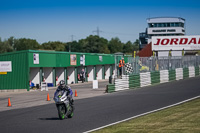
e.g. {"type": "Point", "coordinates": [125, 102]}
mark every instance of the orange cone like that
{"type": "Point", "coordinates": [9, 103]}
{"type": "Point", "coordinates": [76, 94]}
{"type": "Point", "coordinates": [48, 98]}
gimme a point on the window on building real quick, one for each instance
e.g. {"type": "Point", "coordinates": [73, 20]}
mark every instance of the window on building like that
{"type": "Point", "coordinates": [168, 24]}
{"type": "Point", "coordinates": [176, 24]}
{"type": "Point", "coordinates": [150, 25]}
{"type": "Point", "coordinates": [172, 24]}
{"type": "Point", "coordinates": [182, 25]}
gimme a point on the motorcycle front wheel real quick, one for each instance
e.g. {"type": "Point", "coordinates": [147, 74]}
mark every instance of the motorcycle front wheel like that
{"type": "Point", "coordinates": [61, 111]}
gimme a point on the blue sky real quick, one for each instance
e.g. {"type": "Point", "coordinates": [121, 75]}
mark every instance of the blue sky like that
{"type": "Point", "coordinates": [57, 20]}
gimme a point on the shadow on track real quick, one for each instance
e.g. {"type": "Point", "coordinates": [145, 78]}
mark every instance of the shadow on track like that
{"type": "Point", "coordinates": [54, 118]}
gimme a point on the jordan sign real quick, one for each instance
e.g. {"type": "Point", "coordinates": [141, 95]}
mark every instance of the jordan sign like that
{"type": "Point", "coordinates": [176, 43]}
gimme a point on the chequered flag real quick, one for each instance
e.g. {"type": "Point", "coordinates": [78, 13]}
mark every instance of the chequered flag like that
{"type": "Point", "coordinates": [128, 68]}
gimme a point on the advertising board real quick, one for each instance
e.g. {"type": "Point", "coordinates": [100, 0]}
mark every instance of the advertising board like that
{"type": "Point", "coordinates": [166, 43]}
{"type": "Point", "coordinates": [72, 59]}
{"type": "Point", "coordinates": [82, 60]}
{"type": "Point", "coordinates": [35, 58]}
{"type": "Point", "coordinates": [5, 66]}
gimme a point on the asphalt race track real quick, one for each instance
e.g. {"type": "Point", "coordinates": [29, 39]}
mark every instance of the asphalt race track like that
{"type": "Point", "coordinates": [95, 112]}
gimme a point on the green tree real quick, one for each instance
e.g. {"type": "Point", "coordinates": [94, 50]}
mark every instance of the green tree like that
{"type": "Point", "coordinates": [11, 41]}
{"type": "Point", "coordinates": [94, 44]}
{"type": "Point", "coordinates": [136, 45]}
{"type": "Point", "coordinates": [115, 45]}
{"type": "Point", "coordinates": [75, 46]}
{"type": "Point", "coordinates": [128, 47]}
{"type": "Point", "coordinates": [5, 46]}
{"type": "Point", "coordinates": [57, 46]}
{"type": "Point", "coordinates": [25, 44]}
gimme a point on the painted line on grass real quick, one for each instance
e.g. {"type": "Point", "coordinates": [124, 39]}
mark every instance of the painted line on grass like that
{"type": "Point", "coordinates": [142, 114]}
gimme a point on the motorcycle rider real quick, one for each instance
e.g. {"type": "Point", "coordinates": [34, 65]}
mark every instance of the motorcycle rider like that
{"type": "Point", "coordinates": [64, 87]}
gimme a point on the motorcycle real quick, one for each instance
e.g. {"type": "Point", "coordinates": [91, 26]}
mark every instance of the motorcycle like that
{"type": "Point", "coordinates": [82, 77]}
{"type": "Point", "coordinates": [65, 109]}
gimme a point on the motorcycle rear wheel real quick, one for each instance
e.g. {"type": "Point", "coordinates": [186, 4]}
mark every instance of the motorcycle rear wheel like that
{"type": "Point", "coordinates": [61, 112]}
{"type": "Point", "coordinates": [72, 112]}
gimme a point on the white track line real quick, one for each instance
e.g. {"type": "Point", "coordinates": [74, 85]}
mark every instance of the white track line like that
{"type": "Point", "coordinates": [142, 114]}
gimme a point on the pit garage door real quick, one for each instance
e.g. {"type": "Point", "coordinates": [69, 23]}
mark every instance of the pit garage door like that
{"type": "Point", "coordinates": [48, 74]}
{"type": "Point", "coordinates": [90, 72]}
{"type": "Point", "coordinates": [107, 71]}
{"type": "Point", "coordinates": [71, 74]}
{"type": "Point", "coordinates": [34, 76]}
{"type": "Point", "coordinates": [99, 72]}
{"type": "Point", "coordinates": [59, 74]}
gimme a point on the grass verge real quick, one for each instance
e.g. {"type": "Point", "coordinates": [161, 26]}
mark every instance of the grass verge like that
{"type": "Point", "coordinates": [184, 118]}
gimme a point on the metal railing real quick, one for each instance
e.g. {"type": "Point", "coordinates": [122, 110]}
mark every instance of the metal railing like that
{"type": "Point", "coordinates": [150, 64]}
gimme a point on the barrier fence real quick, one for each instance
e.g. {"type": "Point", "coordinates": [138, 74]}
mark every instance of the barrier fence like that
{"type": "Point", "coordinates": [152, 70]}
{"type": "Point", "coordinates": [151, 64]}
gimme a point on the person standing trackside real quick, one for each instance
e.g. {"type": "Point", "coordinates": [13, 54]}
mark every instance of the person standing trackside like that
{"type": "Point", "coordinates": [121, 65]}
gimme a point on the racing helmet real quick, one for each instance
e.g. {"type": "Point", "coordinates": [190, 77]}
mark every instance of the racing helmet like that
{"type": "Point", "coordinates": [62, 84]}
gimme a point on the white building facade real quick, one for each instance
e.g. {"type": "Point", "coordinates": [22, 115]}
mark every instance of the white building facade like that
{"type": "Point", "coordinates": [162, 26]}
{"type": "Point", "coordinates": [165, 26]}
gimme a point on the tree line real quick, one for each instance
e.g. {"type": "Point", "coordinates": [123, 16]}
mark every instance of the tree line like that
{"type": "Point", "coordinates": [91, 44]}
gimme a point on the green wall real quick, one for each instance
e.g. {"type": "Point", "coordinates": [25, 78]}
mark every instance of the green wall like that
{"type": "Point", "coordinates": [62, 59]}
{"type": "Point", "coordinates": [23, 60]}
{"type": "Point", "coordinates": [49, 59]}
{"type": "Point", "coordinates": [18, 78]}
